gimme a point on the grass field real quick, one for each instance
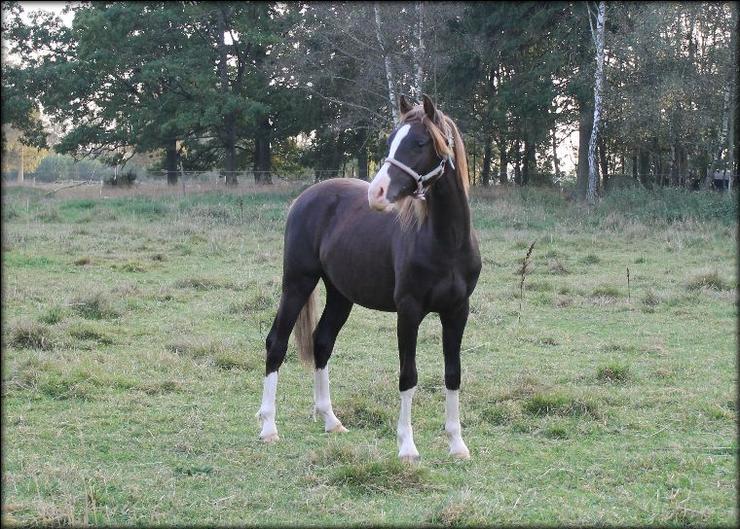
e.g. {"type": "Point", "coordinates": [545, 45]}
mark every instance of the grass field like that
{"type": "Point", "coordinates": [133, 341]}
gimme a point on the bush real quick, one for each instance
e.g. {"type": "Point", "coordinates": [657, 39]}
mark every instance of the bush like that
{"type": "Point", "coordinates": [670, 204]}
{"type": "Point", "coordinates": [613, 373]}
{"type": "Point", "coordinates": [126, 179]}
{"type": "Point", "coordinates": [96, 306]}
{"type": "Point", "coordinates": [30, 335]}
{"type": "Point", "coordinates": [707, 279]}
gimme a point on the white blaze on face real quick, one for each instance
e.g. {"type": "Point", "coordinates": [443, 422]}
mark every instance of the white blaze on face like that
{"type": "Point", "coordinates": [406, 448]}
{"type": "Point", "coordinates": [267, 409]}
{"type": "Point", "coordinates": [376, 193]}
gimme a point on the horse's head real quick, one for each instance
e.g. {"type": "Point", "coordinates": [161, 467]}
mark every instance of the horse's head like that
{"type": "Point", "coordinates": [416, 158]}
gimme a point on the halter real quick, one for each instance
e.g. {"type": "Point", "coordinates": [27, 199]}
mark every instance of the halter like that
{"type": "Point", "coordinates": [424, 181]}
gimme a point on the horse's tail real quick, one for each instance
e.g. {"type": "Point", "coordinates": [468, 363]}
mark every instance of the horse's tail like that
{"type": "Point", "coordinates": [304, 330]}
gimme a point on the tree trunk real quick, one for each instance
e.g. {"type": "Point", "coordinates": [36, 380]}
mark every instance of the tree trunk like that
{"type": "Point", "coordinates": [229, 132]}
{"type": "Point", "coordinates": [170, 161]}
{"type": "Point", "coordinates": [486, 172]}
{"type": "Point", "coordinates": [230, 148]}
{"type": "Point", "coordinates": [503, 177]}
{"type": "Point", "coordinates": [585, 123]}
{"type": "Point", "coordinates": [732, 118]}
{"type": "Point", "coordinates": [517, 163]}
{"type": "Point", "coordinates": [21, 175]}
{"type": "Point", "coordinates": [593, 174]}
{"type": "Point", "coordinates": [262, 155]}
{"type": "Point", "coordinates": [530, 163]}
{"type": "Point", "coordinates": [555, 159]}
{"type": "Point", "coordinates": [721, 140]}
{"type": "Point", "coordinates": [644, 168]}
{"type": "Point", "coordinates": [604, 161]}
{"type": "Point", "coordinates": [675, 164]}
{"type": "Point", "coordinates": [389, 76]}
{"type": "Point", "coordinates": [418, 51]}
{"type": "Point", "coordinates": [362, 162]}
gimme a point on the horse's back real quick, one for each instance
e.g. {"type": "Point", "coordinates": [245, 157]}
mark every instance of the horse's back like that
{"type": "Point", "coordinates": [332, 232]}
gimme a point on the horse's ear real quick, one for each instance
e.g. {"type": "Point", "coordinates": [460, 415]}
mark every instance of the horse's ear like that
{"type": "Point", "coordinates": [429, 108]}
{"type": "Point", "coordinates": [403, 104]}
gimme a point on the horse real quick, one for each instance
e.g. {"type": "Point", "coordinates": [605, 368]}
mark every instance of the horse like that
{"type": "Point", "coordinates": [402, 243]}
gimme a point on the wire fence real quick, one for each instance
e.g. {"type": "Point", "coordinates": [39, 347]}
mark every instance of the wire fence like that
{"type": "Point", "coordinates": [187, 178]}
{"type": "Point", "coordinates": [722, 180]}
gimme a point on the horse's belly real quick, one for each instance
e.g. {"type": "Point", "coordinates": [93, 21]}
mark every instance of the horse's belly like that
{"type": "Point", "coordinates": [360, 266]}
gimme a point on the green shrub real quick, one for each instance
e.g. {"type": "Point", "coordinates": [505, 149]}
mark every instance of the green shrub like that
{"type": "Point", "coordinates": [613, 373]}
{"type": "Point", "coordinates": [52, 315]}
{"type": "Point", "coordinates": [711, 280]}
{"type": "Point", "coordinates": [557, 404]}
{"type": "Point", "coordinates": [670, 204]}
{"type": "Point", "coordinates": [96, 306]}
{"type": "Point", "coordinates": [27, 334]}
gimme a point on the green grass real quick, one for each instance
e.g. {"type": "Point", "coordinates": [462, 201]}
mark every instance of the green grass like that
{"type": "Point", "coordinates": [134, 332]}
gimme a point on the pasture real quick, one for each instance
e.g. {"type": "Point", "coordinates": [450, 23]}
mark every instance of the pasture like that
{"type": "Point", "coordinates": [133, 339]}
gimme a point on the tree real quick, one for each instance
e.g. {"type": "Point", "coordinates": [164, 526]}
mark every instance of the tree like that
{"type": "Point", "coordinates": [598, 34]}
{"type": "Point", "coordinates": [18, 156]}
{"type": "Point", "coordinates": [506, 78]}
{"type": "Point", "coordinates": [135, 77]}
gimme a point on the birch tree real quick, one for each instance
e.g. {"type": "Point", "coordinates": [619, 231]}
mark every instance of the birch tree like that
{"type": "Point", "coordinates": [418, 51]}
{"type": "Point", "coordinates": [598, 35]}
{"type": "Point", "coordinates": [733, 103]}
{"type": "Point", "coordinates": [389, 76]}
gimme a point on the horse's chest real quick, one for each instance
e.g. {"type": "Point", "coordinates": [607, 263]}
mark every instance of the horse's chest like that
{"type": "Point", "coordinates": [441, 288]}
{"type": "Point", "coordinates": [448, 292]}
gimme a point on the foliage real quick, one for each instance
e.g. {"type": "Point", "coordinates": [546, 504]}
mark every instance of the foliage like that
{"type": "Point", "coordinates": [232, 85]}
{"type": "Point", "coordinates": [16, 155]}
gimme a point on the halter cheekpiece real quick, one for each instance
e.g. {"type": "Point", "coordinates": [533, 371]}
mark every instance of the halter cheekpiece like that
{"type": "Point", "coordinates": [424, 181]}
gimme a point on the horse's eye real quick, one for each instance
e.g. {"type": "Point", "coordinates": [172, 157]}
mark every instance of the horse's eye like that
{"type": "Point", "coordinates": [421, 143]}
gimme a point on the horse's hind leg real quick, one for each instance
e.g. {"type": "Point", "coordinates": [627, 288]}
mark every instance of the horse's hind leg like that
{"type": "Point", "coordinates": [333, 318]}
{"type": "Point", "coordinates": [296, 290]}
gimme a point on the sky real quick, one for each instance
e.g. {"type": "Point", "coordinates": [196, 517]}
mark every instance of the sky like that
{"type": "Point", "coordinates": [55, 7]}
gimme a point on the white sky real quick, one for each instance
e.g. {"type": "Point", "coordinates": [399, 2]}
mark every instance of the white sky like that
{"type": "Point", "coordinates": [55, 7]}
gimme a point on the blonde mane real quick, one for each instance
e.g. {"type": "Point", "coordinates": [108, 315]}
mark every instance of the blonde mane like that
{"type": "Point", "coordinates": [414, 211]}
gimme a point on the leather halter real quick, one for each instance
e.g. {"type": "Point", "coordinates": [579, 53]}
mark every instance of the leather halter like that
{"type": "Point", "coordinates": [424, 181]}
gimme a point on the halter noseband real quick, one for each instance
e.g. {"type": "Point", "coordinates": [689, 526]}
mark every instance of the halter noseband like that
{"type": "Point", "coordinates": [424, 181]}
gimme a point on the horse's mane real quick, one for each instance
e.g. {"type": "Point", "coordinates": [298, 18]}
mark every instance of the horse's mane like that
{"type": "Point", "coordinates": [412, 210]}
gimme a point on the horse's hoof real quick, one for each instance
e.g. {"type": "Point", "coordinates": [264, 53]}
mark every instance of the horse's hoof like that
{"type": "Point", "coordinates": [461, 454]}
{"type": "Point", "coordinates": [410, 459]}
{"type": "Point", "coordinates": [339, 428]}
{"type": "Point", "coordinates": [271, 438]}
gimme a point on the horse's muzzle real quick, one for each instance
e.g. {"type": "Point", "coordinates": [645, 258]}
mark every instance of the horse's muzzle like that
{"type": "Point", "coordinates": [377, 192]}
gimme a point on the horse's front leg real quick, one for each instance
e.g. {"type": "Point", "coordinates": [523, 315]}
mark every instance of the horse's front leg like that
{"type": "Point", "coordinates": [453, 326]}
{"type": "Point", "coordinates": [407, 329]}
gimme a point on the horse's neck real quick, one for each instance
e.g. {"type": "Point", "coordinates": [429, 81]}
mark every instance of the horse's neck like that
{"type": "Point", "coordinates": [449, 212]}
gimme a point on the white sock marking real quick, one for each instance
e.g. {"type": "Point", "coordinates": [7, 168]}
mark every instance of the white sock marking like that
{"type": "Point", "coordinates": [406, 446]}
{"type": "Point", "coordinates": [322, 400]}
{"type": "Point", "coordinates": [267, 409]}
{"type": "Point", "coordinates": [452, 424]}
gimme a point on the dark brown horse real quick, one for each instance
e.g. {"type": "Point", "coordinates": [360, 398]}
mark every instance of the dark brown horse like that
{"type": "Point", "coordinates": [404, 243]}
